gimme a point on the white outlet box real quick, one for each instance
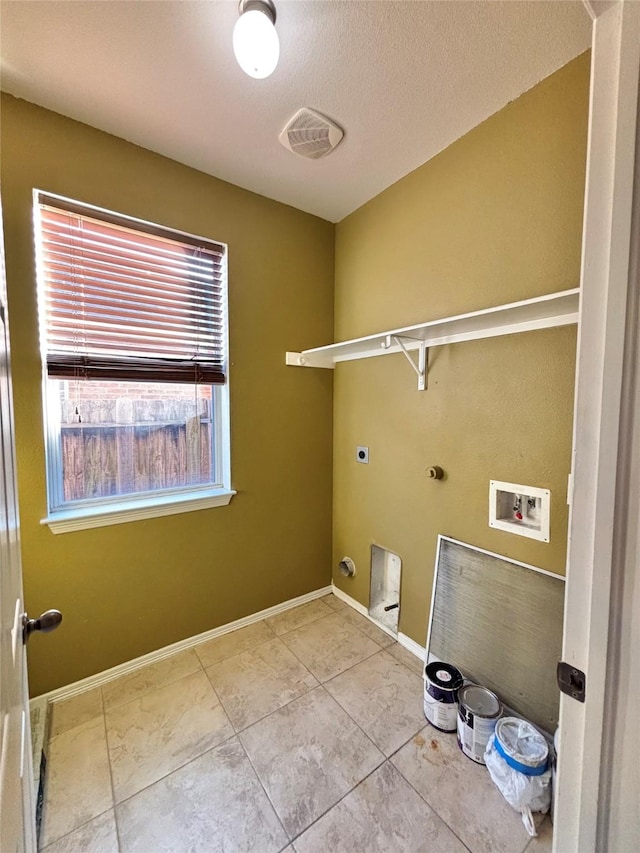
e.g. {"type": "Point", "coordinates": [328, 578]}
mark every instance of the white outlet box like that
{"type": "Point", "coordinates": [523, 510]}
{"type": "Point", "coordinates": [362, 455]}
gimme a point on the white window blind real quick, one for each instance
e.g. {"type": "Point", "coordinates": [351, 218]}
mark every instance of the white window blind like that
{"type": "Point", "coordinates": [124, 300]}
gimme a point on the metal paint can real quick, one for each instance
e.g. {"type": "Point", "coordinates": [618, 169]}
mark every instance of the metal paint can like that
{"type": "Point", "coordinates": [441, 684]}
{"type": "Point", "coordinates": [478, 712]}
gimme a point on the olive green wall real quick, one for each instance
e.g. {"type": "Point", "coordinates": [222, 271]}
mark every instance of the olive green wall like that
{"type": "Point", "coordinates": [129, 589]}
{"type": "Point", "coordinates": [495, 218]}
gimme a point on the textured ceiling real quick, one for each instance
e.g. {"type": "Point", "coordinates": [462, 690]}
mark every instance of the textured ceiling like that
{"type": "Point", "coordinates": [404, 79]}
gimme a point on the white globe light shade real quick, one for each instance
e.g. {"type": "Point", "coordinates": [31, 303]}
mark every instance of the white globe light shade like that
{"type": "Point", "coordinates": [256, 44]}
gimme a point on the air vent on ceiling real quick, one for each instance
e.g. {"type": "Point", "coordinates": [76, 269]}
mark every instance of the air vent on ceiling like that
{"type": "Point", "coordinates": [310, 134]}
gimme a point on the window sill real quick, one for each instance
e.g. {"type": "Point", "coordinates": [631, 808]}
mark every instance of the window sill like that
{"type": "Point", "coordinates": [122, 511]}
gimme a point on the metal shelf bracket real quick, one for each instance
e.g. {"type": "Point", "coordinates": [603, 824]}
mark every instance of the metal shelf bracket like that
{"type": "Point", "coordinates": [423, 352]}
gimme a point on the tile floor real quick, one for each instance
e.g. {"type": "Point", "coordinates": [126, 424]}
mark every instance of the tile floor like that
{"type": "Point", "coordinates": [303, 733]}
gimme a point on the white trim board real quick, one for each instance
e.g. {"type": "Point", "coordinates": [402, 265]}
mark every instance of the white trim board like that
{"type": "Point", "coordinates": [108, 675]}
{"type": "Point", "coordinates": [360, 608]}
{"type": "Point", "coordinates": [405, 641]}
{"type": "Point", "coordinates": [411, 646]}
{"type": "Point", "coordinates": [120, 512]}
{"type": "Point", "coordinates": [601, 439]}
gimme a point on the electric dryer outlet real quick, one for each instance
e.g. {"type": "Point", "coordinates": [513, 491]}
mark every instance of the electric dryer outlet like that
{"type": "Point", "coordinates": [362, 455]}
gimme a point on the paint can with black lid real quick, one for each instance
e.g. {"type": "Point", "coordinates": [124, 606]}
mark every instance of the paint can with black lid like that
{"type": "Point", "coordinates": [441, 684]}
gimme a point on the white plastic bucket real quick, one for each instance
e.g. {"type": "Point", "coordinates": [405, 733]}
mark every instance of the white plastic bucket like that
{"type": "Point", "coordinates": [517, 758]}
{"type": "Point", "coordinates": [521, 746]}
{"type": "Point", "coordinates": [478, 712]}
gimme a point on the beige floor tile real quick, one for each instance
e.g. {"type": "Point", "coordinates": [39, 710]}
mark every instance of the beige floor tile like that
{"type": "Point", "coordinates": [543, 841]}
{"type": "Point", "coordinates": [255, 683]}
{"type": "Point", "coordinates": [337, 604]}
{"type": "Point", "coordinates": [73, 712]}
{"type": "Point", "coordinates": [406, 657]}
{"type": "Point", "coordinates": [308, 755]}
{"type": "Point", "coordinates": [384, 698]}
{"type": "Point", "coordinates": [461, 792]}
{"type": "Point", "coordinates": [333, 601]}
{"type": "Point", "coordinates": [298, 616]}
{"type": "Point", "coordinates": [368, 628]}
{"type": "Point", "coordinates": [78, 781]}
{"type": "Point", "coordinates": [151, 736]}
{"type": "Point", "coordinates": [213, 805]}
{"type": "Point", "coordinates": [97, 836]}
{"type": "Point", "coordinates": [329, 646]}
{"type": "Point", "coordinates": [228, 645]}
{"type": "Point", "coordinates": [135, 684]}
{"type": "Point", "coordinates": [382, 814]}
{"type": "Point", "coordinates": [359, 621]}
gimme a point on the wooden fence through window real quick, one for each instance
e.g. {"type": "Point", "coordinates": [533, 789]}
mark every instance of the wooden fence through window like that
{"type": "Point", "coordinates": [125, 446]}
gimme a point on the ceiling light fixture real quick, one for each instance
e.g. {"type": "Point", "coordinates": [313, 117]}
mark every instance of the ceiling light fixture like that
{"type": "Point", "coordinates": [255, 40]}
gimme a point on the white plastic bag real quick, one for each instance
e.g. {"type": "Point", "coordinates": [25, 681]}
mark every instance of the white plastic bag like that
{"type": "Point", "coordinates": [517, 758]}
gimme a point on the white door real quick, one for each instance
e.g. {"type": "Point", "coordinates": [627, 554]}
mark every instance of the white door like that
{"type": "Point", "coordinates": [17, 825]}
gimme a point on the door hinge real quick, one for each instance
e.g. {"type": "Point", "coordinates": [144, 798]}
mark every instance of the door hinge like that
{"type": "Point", "coordinates": [572, 681]}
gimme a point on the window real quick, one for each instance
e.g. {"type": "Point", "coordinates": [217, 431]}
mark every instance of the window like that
{"type": "Point", "coordinates": [133, 322]}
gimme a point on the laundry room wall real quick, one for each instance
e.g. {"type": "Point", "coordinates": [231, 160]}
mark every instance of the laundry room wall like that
{"type": "Point", "coordinates": [132, 588]}
{"type": "Point", "coordinates": [494, 218]}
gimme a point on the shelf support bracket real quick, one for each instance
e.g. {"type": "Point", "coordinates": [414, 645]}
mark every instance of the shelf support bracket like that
{"type": "Point", "coordinates": [423, 352]}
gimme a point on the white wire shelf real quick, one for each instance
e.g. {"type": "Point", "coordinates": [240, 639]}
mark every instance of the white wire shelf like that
{"type": "Point", "coordinates": [541, 312]}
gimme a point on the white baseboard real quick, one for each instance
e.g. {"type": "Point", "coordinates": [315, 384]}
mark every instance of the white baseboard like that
{"type": "Point", "coordinates": [350, 601]}
{"type": "Point", "coordinates": [403, 639]}
{"type": "Point", "coordinates": [411, 646]}
{"type": "Point", "coordinates": [137, 663]}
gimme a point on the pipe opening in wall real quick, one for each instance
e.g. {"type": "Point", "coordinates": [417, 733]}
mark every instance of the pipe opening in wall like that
{"type": "Point", "coordinates": [347, 567]}
{"type": "Point", "coordinates": [384, 596]}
